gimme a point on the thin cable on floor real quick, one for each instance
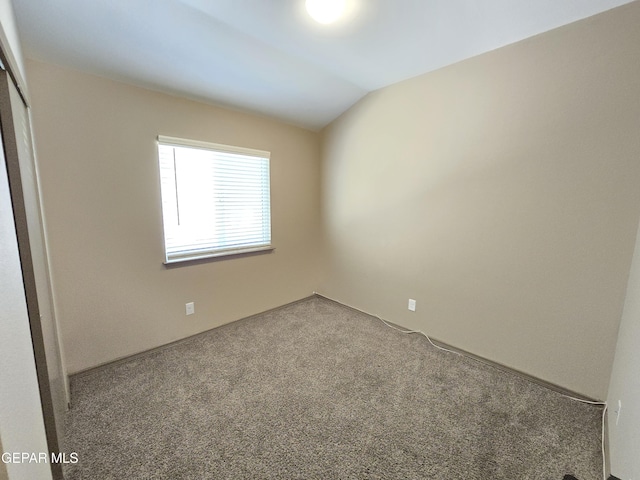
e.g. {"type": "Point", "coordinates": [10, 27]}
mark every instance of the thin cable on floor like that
{"type": "Point", "coordinates": [420, 332]}
{"type": "Point", "coordinates": [416, 331]}
{"type": "Point", "coordinates": [590, 402]}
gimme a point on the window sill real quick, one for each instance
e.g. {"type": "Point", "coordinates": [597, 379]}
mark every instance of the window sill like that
{"type": "Point", "coordinates": [221, 255]}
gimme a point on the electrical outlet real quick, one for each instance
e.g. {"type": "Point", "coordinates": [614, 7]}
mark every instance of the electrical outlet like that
{"type": "Point", "coordinates": [412, 305]}
{"type": "Point", "coordinates": [190, 308]}
{"type": "Point", "coordinates": [617, 411]}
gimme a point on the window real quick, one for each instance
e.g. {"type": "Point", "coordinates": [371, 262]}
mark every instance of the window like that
{"type": "Point", "coordinates": [215, 199]}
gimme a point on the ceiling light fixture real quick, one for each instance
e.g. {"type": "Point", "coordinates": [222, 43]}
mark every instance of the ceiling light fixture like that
{"type": "Point", "coordinates": [325, 11]}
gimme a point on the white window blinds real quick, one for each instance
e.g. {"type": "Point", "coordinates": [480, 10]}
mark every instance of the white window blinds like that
{"type": "Point", "coordinates": [215, 199]}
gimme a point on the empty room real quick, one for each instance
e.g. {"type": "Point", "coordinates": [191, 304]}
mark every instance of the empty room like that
{"type": "Point", "coordinates": [320, 239]}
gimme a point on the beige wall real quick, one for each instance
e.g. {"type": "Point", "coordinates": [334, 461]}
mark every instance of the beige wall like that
{"type": "Point", "coordinates": [95, 140]}
{"type": "Point", "coordinates": [502, 194]}
{"type": "Point", "coordinates": [624, 423]}
{"type": "Point", "coordinates": [3, 468]}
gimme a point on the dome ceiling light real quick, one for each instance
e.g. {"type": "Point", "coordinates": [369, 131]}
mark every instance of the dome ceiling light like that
{"type": "Point", "coordinates": [325, 11]}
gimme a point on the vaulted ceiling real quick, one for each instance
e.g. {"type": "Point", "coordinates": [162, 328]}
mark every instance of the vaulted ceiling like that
{"type": "Point", "coordinates": [268, 56]}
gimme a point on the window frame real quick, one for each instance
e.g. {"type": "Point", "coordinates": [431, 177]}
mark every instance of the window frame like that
{"type": "Point", "coordinates": [221, 252]}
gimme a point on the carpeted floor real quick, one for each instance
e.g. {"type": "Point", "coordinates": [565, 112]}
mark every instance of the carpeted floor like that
{"type": "Point", "coordinates": [315, 390]}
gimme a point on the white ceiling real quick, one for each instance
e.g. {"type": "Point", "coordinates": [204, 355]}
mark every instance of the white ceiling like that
{"type": "Point", "coordinates": [268, 56]}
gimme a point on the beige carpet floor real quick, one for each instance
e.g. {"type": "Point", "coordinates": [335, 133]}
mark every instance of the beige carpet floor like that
{"type": "Point", "coordinates": [315, 390]}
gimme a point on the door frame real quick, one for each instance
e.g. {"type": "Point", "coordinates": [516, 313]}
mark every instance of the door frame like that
{"type": "Point", "coordinates": [10, 137]}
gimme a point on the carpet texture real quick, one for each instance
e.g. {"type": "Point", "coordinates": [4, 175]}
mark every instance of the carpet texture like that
{"type": "Point", "coordinates": [315, 390]}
